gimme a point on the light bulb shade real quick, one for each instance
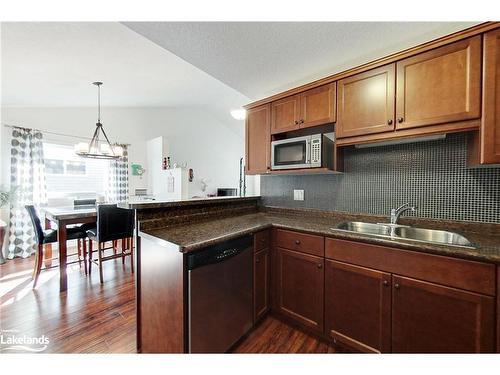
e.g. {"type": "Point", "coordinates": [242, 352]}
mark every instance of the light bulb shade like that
{"type": "Point", "coordinates": [118, 150]}
{"type": "Point", "coordinates": [105, 149]}
{"type": "Point", "coordinates": [82, 148]}
{"type": "Point", "coordinates": [239, 114]}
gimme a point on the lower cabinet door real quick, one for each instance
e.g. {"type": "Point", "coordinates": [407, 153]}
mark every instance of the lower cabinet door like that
{"type": "Point", "coordinates": [358, 307]}
{"type": "Point", "coordinates": [431, 318]}
{"type": "Point", "coordinates": [261, 283]}
{"type": "Point", "coordinates": [300, 286]}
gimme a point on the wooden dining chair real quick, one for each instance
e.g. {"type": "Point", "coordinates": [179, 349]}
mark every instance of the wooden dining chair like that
{"type": "Point", "coordinates": [46, 236]}
{"type": "Point", "coordinates": [113, 224]}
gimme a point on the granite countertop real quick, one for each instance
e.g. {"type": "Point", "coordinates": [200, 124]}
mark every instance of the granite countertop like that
{"type": "Point", "coordinates": [192, 237]}
{"type": "Point", "coordinates": [142, 205]}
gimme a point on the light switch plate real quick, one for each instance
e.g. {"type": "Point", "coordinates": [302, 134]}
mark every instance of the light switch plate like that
{"type": "Point", "coordinates": [298, 195]}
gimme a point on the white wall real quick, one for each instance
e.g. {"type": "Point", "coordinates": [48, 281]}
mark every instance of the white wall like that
{"type": "Point", "coordinates": [209, 146]}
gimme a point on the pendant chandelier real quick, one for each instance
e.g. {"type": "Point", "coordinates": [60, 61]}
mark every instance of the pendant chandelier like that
{"type": "Point", "coordinates": [99, 147]}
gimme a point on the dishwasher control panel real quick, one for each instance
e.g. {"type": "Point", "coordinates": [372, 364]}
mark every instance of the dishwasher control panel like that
{"type": "Point", "coordinates": [218, 253]}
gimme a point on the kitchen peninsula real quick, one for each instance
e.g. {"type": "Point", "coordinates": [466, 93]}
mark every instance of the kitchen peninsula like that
{"type": "Point", "coordinates": [325, 280]}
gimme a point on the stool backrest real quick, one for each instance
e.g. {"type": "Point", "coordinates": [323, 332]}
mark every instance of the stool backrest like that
{"type": "Point", "coordinates": [114, 223]}
{"type": "Point", "coordinates": [37, 225]}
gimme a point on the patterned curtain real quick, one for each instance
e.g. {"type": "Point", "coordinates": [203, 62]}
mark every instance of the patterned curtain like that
{"type": "Point", "coordinates": [28, 177]}
{"type": "Point", "coordinates": [118, 178]}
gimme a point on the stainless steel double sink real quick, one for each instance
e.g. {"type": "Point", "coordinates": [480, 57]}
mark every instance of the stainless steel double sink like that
{"type": "Point", "coordinates": [406, 233]}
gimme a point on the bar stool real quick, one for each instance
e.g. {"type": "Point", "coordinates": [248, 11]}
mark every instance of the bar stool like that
{"type": "Point", "coordinates": [113, 224]}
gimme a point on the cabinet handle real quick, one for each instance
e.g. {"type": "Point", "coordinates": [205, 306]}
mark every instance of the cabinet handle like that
{"type": "Point", "coordinates": [389, 122]}
{"type": "Point", "coordinates": [385, 282]}
{"type": "Point", "coordinates": [400, 120]}
{"type": "Point", "coordinates": [396, 286]}
{"type": "Point", "coordinates": [320, 265]}
{"type": "Point", "coordinates": [297, 242]}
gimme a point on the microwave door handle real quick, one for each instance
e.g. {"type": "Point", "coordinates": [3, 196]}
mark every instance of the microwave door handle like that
{"type": "Point", "coordinates": [308, 151]}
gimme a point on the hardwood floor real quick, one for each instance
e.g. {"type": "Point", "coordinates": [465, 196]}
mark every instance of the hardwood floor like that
{"type": "Point", "coordinates": [87, 318]}
{"type": "Point", "coordinates": [274, 336]}
{"type": "Point", "coordinates": [94, 318]}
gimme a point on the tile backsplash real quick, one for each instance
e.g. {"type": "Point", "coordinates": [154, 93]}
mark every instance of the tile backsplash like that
{"type": "Point", "coordinates": [431, 175]}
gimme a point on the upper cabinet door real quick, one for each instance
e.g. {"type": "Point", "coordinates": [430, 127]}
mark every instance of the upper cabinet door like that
{"type": "Point", "coordinates": [317, 106]}
{"type": "Point", "coordinates": [258, 140]}
{"type": "Point", "coordinates": [285, 114]}
{"type": "Point", "coordinates": [490, 126]}
{"type": "Point", "coordinates": [365, 103]}
{"type": "Point", "coordinates": [440, 86]}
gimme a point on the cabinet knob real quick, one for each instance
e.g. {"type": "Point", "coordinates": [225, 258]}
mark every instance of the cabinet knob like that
{"type": "Point", "coordinates": [257, 260]}
{"type": "Point", "coordinates": [400, 120]}
{"type": "Point", "coordinates": [296, 122]}
{"type": "Point", "coordinates": [297, 242]}
{"type": "Point", "coordinates": [396, 286]}
{"type": "Point", "coordinates": [389, 122]}
{"type": "Point", "coordinates": [385, 282]}
{"type": "Point", "coordinates": [320, 265]}
{"type": "Point", "coordinates": [301, 121]}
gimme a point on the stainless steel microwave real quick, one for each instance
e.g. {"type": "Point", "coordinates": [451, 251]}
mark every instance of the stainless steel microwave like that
{"type": "Point", "coordinates": [312, 151]}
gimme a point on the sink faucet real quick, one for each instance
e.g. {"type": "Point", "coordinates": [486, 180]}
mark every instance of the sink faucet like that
{"type": "Point", "coordinates": [396, 212]}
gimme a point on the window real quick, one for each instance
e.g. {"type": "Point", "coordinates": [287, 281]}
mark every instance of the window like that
{"type": "Point", "coordinates": [75, 167]}
{"type": "Point", "coordinates": [69, 176]}
{"type": "Point", "coordinates": [53, 166]}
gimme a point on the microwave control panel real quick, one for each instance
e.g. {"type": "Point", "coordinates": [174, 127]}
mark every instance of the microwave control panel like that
{"type": "Point", "coordinates": [316, 151]}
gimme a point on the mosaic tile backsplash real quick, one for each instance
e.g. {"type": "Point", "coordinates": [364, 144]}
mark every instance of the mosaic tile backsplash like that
{"type": "Point", "coordinates": [431, 175]}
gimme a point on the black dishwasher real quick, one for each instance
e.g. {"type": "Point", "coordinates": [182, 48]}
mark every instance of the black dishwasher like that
{"type": "Point", "coordinates": [220, 290]}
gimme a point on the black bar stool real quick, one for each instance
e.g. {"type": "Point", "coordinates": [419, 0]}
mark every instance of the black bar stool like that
{"type": "Point", "coordinates": [113, 224]}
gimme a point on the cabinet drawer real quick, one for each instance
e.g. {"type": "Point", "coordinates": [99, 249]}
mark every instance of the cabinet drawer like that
{"type": "Point", "coordinates": [262, 240]}
{"type": "Point", "coordinates": [464, 274]}
{"type": "Point", "coordinates": [305, 243]}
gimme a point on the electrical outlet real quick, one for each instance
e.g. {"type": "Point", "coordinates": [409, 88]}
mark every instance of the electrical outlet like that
{"type": "Point", "coordinates": [298, 195]}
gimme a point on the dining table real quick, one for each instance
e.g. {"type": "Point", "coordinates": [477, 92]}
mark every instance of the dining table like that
{"type": "Point", "coordinates": [63, 217]}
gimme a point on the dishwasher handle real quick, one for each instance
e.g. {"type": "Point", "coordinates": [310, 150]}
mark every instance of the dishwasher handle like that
{"type": "Point", "coordinates": [219, 253]}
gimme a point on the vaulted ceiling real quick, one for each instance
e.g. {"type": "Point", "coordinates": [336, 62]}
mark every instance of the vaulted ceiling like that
{"type": "Point", "coordinates": [52, 64]}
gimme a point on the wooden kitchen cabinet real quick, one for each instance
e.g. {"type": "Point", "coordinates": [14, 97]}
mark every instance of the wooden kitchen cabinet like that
{"type": "Point", "coordinates": [285, 114]}
{"type": "Point", "coordinates": [307, 109]}
{"type": "Point", "coordinates": [431, 318]}
{"type": "Point", "coordinates": [440, 86]}
{"type": "Point", "coordinates": [261, 283]}
{"type": "Point", "coordinates": [365, 102]}
{"type": "Point", "coordinates": [498, 309]}
{"type": "Point", "coordinates": [489, 148]}
{"type": "Point", "coordinates": [358, 307]}
{"type": "Point", "coordinates": [300, 287]}
{"type": "Point", "coordinates": [317, 106]}
{"type": "Point", "coordinates": [258, 140]}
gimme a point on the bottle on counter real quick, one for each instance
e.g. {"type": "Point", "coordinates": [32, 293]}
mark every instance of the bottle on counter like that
{"type": "Point", "coordinates": [168, 162]}
{"type": "Point", "coordinates": [164, 164]}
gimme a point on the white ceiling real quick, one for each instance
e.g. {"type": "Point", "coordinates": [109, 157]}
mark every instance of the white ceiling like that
{"type": "Point", "coordinates": [260, 59]}
{"type": "Point", "coordinates": [53, 65]}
